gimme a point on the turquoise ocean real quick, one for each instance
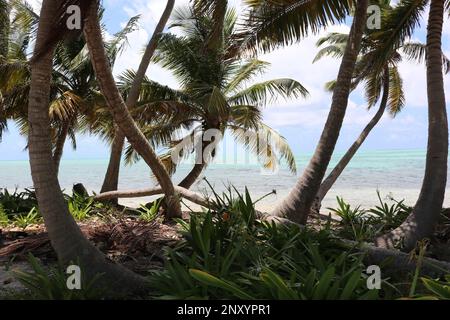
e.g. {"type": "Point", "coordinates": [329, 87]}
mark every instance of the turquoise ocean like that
{"type": "Point", "coordinates": [396, 173]}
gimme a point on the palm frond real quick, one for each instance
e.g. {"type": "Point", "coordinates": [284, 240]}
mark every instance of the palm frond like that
{"type": "Point", "coordinates": [263, 93]}
{"type": "Point", "coordinates": [274, 23]}
{"type": "Point", "coordinates": [396, 94]}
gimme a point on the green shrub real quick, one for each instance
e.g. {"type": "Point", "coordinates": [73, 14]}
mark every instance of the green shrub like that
{"type": "Point", "coordinates": [389, 216]}
{"type": "Point", "coordinates": [51, 284]}
{"type": "Point", "coordinates": [17, 203]}
{"type": "Point", "coordinates": [4, 219]}
{"type": "Point", "coordinates": [149, 214]}
{"type": "Point", "coordinates": [228, 253]}
{"type": "Point", "coordinates": [438, 290]}
{"type": "Point", "coordinates": [348, 214]}
{"type": "Point", "coordinates": [354, 222]}
{"type": "Point", "coordinates": [80, 206]}
{"type": "Point", "coordinates": [24, 220]}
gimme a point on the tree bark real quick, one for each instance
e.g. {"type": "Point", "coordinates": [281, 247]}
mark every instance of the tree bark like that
{"type": "Point", "coordinates": [328, 183]}
{"type": "Point", "coordinates": [66, 238]}
{"type": "Point", "coordinates": [111, 179]}
{"type": "Point", "coordinates": [297, 205]}
{"type": "Point", "coordinates": [192, 176]}
{"type": "Point", "coordinates": [59, 145]}
{"type": "Point", "coordinates": [4, 27]}
{"type": "Point", "coordinates": [121, 114]}
{"type": "Point", "coordinates": [425, 215]}
{"type": "Point", "coordinates": [185, 193]}
{"type": "Point", "coordinates": [201, 162]}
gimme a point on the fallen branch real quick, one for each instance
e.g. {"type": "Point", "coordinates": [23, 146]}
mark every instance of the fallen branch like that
{"type": "Point", "coordinates": [195, 197]}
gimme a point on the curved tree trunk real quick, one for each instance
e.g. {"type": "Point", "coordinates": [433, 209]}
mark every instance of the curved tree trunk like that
{"type": "Point", "coordinates": [65, 235]}
{"type": "Point", "coordinates": [59, 145]}
{"type": "Point", "coordinates": [111, 179]}
{"type": "Point", "coordinates": [122, 116]}
{"type": "Point", "coordinates": [424, 217]}
{"type": "Point", "coordinates": [328, 183]}
{"type": "Point", "coordinates": [200, 164]}
{"type": "Point", "coordinates": [193, 175]}
{"type": "Point", "coordinates": [297, 205]}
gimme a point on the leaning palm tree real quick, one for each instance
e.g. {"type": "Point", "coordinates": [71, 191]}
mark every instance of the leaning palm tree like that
{"type": "Point", "coordinates": [386, 84]}
{"type": "Point", "coordinates": [66, 237]}
{"type": "Point", "coordinates": [425, 215]}
{"type": "Point", "coordinates": [111, 179]}
{"type": "Point", "coordinates": [120, 112]}
{"type": "Point", "coordinates": [215, 94]}
{"type": "Point", "coordinates": [278, 23]}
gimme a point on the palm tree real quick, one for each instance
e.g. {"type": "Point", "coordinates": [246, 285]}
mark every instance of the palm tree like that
{"type": "Point", "coordinates": [121, 114]}
{"type": "Point", "coordinates": [74, 90]}
{"type": "Point", "coordinates": [214, 95]}
{"type": "Point", "coordinates": [296, 206]}
{"type": "Point", "coordinates": [111, 179]}
{"type": "Point", "coordinates": [387, 80]}
{"type": "Point", "coordinates": [66, 237]}
{"type": "Point", "coordinates": [424, 217]}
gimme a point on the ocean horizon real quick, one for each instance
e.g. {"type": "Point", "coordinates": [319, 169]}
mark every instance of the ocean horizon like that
{"type": "Point", "coordinates": [395, 173]}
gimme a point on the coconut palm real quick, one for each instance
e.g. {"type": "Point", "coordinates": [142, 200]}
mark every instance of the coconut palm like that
{"type": "Point", "coordinates": [400, 24]}
{"type": "Point", "coordinates": [73, 89]}
{"type": "Point", "coordinates": [275, 23]}
{"type": "Point", "coordinates": [120, 112]}
{"type": "Point", "coordinates": [386, 80]}
{"type": "Point", "coordinates": [216, 94]}
{"type": "Point", "coordinates": [66, 237]}
{"type": "Point", "coordinates": [111, 179]}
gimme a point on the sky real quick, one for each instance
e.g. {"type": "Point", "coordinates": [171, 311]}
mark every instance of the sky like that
{"type": "Point", "coordinates": [300, 121]}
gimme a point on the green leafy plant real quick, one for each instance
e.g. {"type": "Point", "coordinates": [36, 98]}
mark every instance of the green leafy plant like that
{"type": "Point", "coordinates": [149, 214]}
{"type": "Point", "coordinates": [32, 217]}
{"type": "Point", "coordinates": [51, 284]}
{"type": "Point", "coordinates": [439, 290]}
{"type": "Point", "coordinates": [228, 253]}
{"type": "Point", "coordinates": [17, 203]}
{"type": "Point", "coordinates": [389, 216]}
{"type": "Point", "coordinates": [4, 219]}
{"type": "Point", "coordinates": [348, 214]}
{"type": "Point", "coordinates": [80, 206]}
{"type": "Point", "coordinates": [354, 222]}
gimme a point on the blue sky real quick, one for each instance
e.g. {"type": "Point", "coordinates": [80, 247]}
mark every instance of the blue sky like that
{"type": "Point", "coordinates": [301, 121]}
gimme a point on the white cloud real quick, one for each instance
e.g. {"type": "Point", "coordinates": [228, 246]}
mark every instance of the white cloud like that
{"type": "Point", "coordinates": [294, 62]}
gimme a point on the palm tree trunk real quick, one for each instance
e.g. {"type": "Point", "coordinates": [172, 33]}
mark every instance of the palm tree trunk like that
{"type": "Point", "coordinates": [424, 217]}
{"type": "Point", "coordinates": [121, 114]}
{"type": "Point", "coordinates": [59, 145]}
{"type": "Point", "coordinates": [65, 235]}
{"type": "Point", "coordinates": [328, 183]}
{"type": "Point", "coordinates": [200, 164]}
{"type": "Point", "coordinates": [192, 176]}
{"type": "Point", "coordinates": [4, 27]}
{"type": "Point", "coordinates": [111, 179]}
{"type": "Point", "coordinates": [297, 205]}
{"type": "Point", "coordinates": [215, 39]}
